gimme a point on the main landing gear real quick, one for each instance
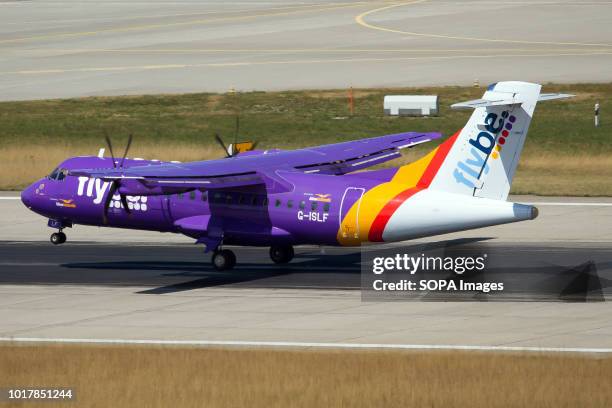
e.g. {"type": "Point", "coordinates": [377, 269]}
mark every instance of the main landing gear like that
{"type": "Point", "coordinates": [281, 254]}
{"type": "Point", "coordinates": [224, 259]}
{"type": "Point", "coordinates": [58, 238]}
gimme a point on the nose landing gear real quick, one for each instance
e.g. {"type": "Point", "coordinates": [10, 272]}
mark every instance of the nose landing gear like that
{"type": "Point", "coordinates": [58, 238]}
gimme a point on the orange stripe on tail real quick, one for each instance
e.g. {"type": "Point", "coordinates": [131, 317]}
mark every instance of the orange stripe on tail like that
{"type": "Point", "coordinates": [381, 220]}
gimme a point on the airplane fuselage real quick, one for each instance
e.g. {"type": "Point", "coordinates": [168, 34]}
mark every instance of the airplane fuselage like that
{"type": "Point", "coordinates": [310, 213]}
{"type": "Point", "coordinates": [320, 209]}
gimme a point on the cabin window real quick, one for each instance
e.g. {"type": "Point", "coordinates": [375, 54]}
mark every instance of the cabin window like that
{"type": "Point", "coordinates": [192, 195]}
{"type": "Point", "coordinates": [277, 203]}
{"type": "Point", "coordinates": [204, 196]}
{"type": "Point", "coordinates": [217, 197]}
{"type": "Point", "coordinates": [180, 195]}
{"type": "Point", "coordinates": [265, 201]}
{"type": "Point", "coordinates": [241, 199]}
{"type": "Point", "coordinates": [326, 207]}
{"type": "Point", "coordinates": [228, 199]}
{"type": "Point", "coordinates": [313, 206]}
{"type": "Point", "coordinates": [290, 204]}
{"type": "Point", "coordinates": [302, 205]}
{"type": "Point", "coordinates": [253, 200]}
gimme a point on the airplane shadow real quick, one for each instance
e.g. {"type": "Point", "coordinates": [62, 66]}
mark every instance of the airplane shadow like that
{"type": "Point", "coordinates": [312, 270]}
{"type": "Point", "coordinates": [309, 270]}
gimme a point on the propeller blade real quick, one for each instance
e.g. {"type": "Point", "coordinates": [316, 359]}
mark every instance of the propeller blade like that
{"type": "Point", "coordinates": [220, 141]}
{"type": "Point", "coordinates": [111, 192]}
{"type": "Point", "coordinates": [127, 148]}
{"type": "Point", "coordinates": [110, 148]}
{"type": "Point", "coordinates": [125, 203]}
{"type": "Point", "coordinates": [237, 129]}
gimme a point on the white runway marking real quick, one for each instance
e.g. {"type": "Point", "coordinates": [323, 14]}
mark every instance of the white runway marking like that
{"type": "Point", "coordinates": [292, 344]}
{"type": "Point", "coordinates": [572, 204]}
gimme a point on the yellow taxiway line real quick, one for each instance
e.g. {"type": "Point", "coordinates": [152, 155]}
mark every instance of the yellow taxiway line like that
{"type": "Point", "coordinates": [297, 62]}
{"type": "Point", "coordinates": [360, 19]}
{"type": "Point", "coordinates": [142, 27]}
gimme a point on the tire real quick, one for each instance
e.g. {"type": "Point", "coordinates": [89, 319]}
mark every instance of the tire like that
{"type": "Point", "coordinates": [223, 260]}
{"type": "Point", "coordinates": [56, 238]}
{"type": "Point", "coordinates": [62, 237]}
{"type": "Point", "coordinates": [232, 258]}
{"type": "Point", "coordinates": [281, 254]}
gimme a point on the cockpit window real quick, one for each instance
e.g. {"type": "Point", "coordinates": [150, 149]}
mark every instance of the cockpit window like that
{"type": "Point", "coordinates": [54, 173]}
{"type": "Point", "coordinates": [58, 174]}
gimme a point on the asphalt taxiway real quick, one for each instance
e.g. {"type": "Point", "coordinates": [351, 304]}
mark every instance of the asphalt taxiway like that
{"type": "Point", "coordinates": [168, 291]}
{"type": "Point", "coordinates": [73, 48]}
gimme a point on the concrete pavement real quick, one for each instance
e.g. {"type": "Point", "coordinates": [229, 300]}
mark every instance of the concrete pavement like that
{"type": "Point", "coordinates": [73, 48]}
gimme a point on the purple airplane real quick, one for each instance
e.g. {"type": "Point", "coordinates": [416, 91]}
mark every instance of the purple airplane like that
{"type": "Point", "coordinates": [320, 195]}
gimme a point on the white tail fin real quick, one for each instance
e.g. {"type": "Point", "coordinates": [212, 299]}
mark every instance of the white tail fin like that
{"type": "Point", "coordinates": [484, 157]}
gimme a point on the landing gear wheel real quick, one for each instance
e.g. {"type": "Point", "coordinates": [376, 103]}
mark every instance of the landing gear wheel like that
{"type": "Point", "coordinates": [223, 260]}
{"type": "Point", "coordinates": [58, 238]}
{"type": "Point", "coordinates": [281, 254]}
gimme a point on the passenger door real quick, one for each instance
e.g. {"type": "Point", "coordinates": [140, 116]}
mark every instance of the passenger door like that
{"type": "Point", "coordinates": [351, 197]}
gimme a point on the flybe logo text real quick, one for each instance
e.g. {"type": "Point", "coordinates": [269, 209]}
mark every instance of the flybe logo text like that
{"type": "Point", "coordinates": [469, 170]}
{"type": "Point", "coordinates": [96, 188]}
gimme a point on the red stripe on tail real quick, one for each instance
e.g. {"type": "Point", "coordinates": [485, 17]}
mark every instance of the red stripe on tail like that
{"type": "Point", "coordinates": [381, 220]}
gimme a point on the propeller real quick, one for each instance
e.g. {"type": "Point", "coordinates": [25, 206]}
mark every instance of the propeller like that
{"type": "Point", "coordinates": [220, 141]}
{"type": "Point", "coordinates": [115, 184]}
{"type": "Point", "coordinates": [127, 149]}
{"type": "Point", "coordinates": [110, 148]}
{"type": "Point", "coordinates": [237, 132]}
{"type": "Point", "coordinates": [237, 129]}
{"type": "Point", "coordinates": [235, 151]}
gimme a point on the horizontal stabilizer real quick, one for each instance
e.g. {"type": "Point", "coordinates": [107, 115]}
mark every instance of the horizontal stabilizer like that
{"type": "Point", "coordinates": [492, 98]}
{"type": "Point", "coordinates": [554, 96]}
{"type": "Point", "coordinates": [483, 103]}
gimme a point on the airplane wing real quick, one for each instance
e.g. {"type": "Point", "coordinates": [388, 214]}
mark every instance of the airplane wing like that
{"type": "Point", "coordinates": [335, 159]}
{"type": "Point", "coordinates": [347, 157]}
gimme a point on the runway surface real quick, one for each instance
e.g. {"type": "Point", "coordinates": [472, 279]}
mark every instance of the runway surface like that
{"type": "Point", "coordinates": [63, 48]}
{"type": "Point", "coordinates": [171, 293]}
{"type": "Point", "coordinates": [168, 291]}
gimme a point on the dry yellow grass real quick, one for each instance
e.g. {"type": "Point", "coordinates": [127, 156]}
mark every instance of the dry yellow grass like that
{"type": "Point", "coordinates": [563, 174]}
{"type": "Point", "coordinates": [22, 165]}
{"type": "Point", "coordinates": [191, 377]}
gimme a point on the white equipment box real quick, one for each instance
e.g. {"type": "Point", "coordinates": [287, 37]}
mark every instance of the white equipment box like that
{"type": "Point", "coordinates": [411, 105]}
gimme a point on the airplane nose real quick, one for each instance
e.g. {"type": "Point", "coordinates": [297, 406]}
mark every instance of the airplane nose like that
{"type": "Point", "coordinates": [27, 196]}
